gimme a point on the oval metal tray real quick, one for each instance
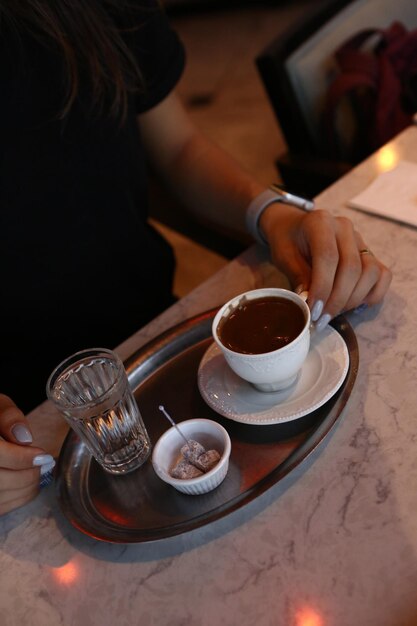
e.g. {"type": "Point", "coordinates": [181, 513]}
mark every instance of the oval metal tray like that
{"type": "Point", "coordinates": [140, 507]}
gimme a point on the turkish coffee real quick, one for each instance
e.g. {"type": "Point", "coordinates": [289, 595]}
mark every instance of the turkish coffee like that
{"type": "Point", "coordinates": [261, 325]}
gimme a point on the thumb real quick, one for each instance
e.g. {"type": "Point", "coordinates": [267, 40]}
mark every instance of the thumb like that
{"type": "Point", "coordinates": [14, 426]}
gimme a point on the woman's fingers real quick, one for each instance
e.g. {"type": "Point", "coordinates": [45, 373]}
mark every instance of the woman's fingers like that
{"type": "Point", "coordinates": [17, 457]}
{"type": "Point", "coordinates": [293, 263]}
{"type": "Point", "coordinates": [334, 271]}
{"type": "Point", "coordinates": [19, 476]}
{"type": "Point", "coordinates": [375, 278]}
{"type": "Point", "coordinates": [335, 263]}
{"type": "Point", "coordinates": [15, 451]}
{"type": "Point", "coordinates": [373, 283]}
{"type": "Point", "coordinates": [13, 424]}
{"type": "Point", "coordinates": [13, 480]}
{"type": "Point", "coordinates": [20, 471]}
{"type": "Point", "coordinates": [21, 464]}
{"type": "Point", "coordinates": [347, 279]}
{"type": "Point", "coordinates": [325, 255]}
{"type": "Point", "coordinates": [348, 271]}
{"type": "Point", "coordinates": [378, 291]}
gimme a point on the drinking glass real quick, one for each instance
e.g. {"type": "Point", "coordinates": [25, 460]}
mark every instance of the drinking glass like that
{"type": "Point", "coordinates": [91, 390]}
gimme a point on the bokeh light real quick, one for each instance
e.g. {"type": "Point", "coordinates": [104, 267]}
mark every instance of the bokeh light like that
{"type": "Point", "coordinates": [308, 617]}
{"type": "Point", "coordinates": [66, 574]}
{"type": "Point", "coordinates": [387, 158]}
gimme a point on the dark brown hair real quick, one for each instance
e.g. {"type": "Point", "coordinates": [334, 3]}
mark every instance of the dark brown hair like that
{"type": "Point", "coordinates": [91, 34]}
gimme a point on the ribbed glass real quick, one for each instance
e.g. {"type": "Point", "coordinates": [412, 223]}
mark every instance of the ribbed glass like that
{"type": "Point", "coordinates": [91, 390]}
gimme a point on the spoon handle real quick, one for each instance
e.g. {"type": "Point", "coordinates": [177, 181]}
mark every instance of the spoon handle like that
{"type": "Point", "coordinates": [169, 418]}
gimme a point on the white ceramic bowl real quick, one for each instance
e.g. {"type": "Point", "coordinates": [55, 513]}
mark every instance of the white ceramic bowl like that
{"type": "Point", "coordinates": [167, 450]}
{"type": "Point", "coordinates": [269, 371]}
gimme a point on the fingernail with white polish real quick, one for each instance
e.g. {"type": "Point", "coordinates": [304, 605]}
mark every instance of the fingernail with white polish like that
{"type": "Point", "coordinates": [47, 468]}
{"type": "Point", "coordinates": [317, 310]}
{"type": "Point", "coordinates": [322, 322]}
{"type": "Point", "coordinates": [22, 433]}
{"type": "Point", "coordinates": [43, 459]}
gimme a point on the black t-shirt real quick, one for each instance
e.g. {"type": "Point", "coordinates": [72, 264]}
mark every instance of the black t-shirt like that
{"type": "Point", "coordinates": [80, 266]}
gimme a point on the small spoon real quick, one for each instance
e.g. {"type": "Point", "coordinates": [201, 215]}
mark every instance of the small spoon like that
{"type": "Point", "coordinates": [169, 418]}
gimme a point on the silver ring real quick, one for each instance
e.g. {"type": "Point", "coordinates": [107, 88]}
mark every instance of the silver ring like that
{"type": "Point", "coordinates": [366, 251]}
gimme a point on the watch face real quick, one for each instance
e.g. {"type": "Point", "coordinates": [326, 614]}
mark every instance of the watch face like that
{"type": "Point", "coordinates": [283, 190]}
{"type": "Point", "coordinates": [293, 198]}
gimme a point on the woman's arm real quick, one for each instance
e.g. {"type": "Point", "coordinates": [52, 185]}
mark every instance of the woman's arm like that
{"type": "Point", "coordinates": [318, 252]}
{"type": "Point", "coordinates": [203, 177]}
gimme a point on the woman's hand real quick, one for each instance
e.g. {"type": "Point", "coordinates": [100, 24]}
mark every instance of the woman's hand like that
{"type": "Point", "coordinates": [326, 256]}
{"type": "Point", "coordinates": [20, 463]}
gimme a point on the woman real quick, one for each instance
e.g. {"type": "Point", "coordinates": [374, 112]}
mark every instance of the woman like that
{"type": "Point", "coordinates": [88, 105]}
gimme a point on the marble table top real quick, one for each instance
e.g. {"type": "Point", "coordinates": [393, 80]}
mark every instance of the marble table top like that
{"type": "Point", "coordinates": [334, 544]}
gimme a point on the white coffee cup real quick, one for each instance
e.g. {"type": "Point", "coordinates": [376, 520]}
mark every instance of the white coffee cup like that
{"type": "Point", "coordinates": [267, 371]}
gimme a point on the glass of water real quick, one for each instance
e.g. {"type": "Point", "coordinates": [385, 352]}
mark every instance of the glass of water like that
{"type": "Point", "coordinates": [91, 390]}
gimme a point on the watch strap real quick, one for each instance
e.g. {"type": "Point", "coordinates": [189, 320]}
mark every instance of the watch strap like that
{"type": "Point", "coordinates": [262, 201]}
{"type": "Point", "coordinates": [255, 210]}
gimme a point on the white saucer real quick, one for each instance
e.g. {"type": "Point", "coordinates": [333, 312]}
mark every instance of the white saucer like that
{"type": "Point", "coordinates": [322, 374]}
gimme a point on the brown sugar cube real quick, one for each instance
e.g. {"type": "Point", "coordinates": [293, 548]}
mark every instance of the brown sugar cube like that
{"type": "Point", "coordinates": [192, 451]}
{"type": "Point", "coordinates": [207, 460]}
{"type": "Point", "coordinates": [184, 470]}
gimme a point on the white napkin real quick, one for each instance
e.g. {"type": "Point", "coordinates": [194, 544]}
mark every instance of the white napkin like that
{"type": "Point", "coordinates": [392, 194]}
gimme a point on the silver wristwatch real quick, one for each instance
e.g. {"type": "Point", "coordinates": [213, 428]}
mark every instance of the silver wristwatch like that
{"type": "Point", "coordinates": [263, 200]}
